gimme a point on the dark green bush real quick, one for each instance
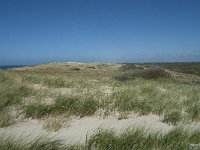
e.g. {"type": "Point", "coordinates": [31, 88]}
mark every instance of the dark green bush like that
{"type": "Point", "coordinates": [149, 73]}
{"type": "Point", "coordinates": [75, 69]}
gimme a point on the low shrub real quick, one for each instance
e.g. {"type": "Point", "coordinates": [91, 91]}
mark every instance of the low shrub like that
{"type": "Point", "coordinates": [75, 69]}
{"type": "Point", "coordinates": [149, 73]}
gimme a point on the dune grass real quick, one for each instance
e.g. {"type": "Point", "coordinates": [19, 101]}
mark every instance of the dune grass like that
{"type": "Point", "coordinates": [174, 100]}
{"type": "Point", "coordinates": [40, 143]}
{"type": "Point", "coordinates": [165, 97]}
{"type": "Point", "coordinates": [145, 90]}
{"type": "Point", "coordinates": [63, 104]}
{"type": "Point", "coordinates": [132, 138]}
{"type": "Point", "coordinates": [141, 89]}
{"type": "Point", "coordinates": [12, 92]}
{"type": "Point", "coordinates": [6, 118]}
{"type": "Point", "coordinates": [139, 139]}
{"type": "Point", "coordinates": [54, 82]}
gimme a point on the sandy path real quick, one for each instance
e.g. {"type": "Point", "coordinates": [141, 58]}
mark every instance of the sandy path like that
{"type": "Point", "coordinates": [80, 127]}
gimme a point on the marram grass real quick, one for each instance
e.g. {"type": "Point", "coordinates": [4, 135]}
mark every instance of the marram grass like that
{"type": "Point", "coordinates": [130, 139]}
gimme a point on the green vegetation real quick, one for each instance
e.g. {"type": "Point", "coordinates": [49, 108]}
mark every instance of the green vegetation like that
{"type": "Point", "coordinates": [63, 104]}
{"type": "Point", "coordinates": [37, 110]}
{"type": "Point", "coordinates": [12, 92]}
{"type": "Point", "coordinates": [6, 118]}
{"type": "Point", "coordinates": [54, 82]}
{"type": "Point", "coordinates": [31, 79]}
{"type": "Point", "coordinates": [149, 73]}
{"type": "Point", "coordinates": [49, 91]}
{"type": "Point", "coordinates": [40, 143]}
{"type": "Point", "coordinates": [172, 117]}
{"type": "Point", "coordinates": [138, 139]}
{"type": "Point", "coordinates": [146, 89]}
{"type": "Point", "coordinates": [134, 138]}
{"type": "Point", "coordinates": [187, 67]}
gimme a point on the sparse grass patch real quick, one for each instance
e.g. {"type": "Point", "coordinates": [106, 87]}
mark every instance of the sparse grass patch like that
{"type": "Point", "coordinates": [6, 118]}
{"type": "Point", "coordinates": [146, 96]}
{"type": "Point", "coordinates": [40, 143]}
{"type": "Point", "coordinates": [54, 123]}
{"type": "Point", "coordinates": [12, 93]}
{"type": "Point", "coordinates": [54, 82]}
{"type": "Point", "coordinates": [172, 117]}
{"type": "Point", "coordinates": [123, 115]}
{"type": "Point", "coordinates": [32, 79]}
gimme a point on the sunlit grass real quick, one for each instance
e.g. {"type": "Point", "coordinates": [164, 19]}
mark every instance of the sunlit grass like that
{"type": "Point", "coordinates": [105, 87]}
{"type": "Point", "coordinates": [139, 139]}
{"type": "Point", "coordinates": [63, 104]}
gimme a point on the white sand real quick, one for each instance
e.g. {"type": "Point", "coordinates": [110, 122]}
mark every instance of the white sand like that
{"type": "Point", "coordinates": [80, 127]}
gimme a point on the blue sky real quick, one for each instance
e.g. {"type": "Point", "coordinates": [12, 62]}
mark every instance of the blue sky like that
{"type": "Point", "coordinates": [38, 31]}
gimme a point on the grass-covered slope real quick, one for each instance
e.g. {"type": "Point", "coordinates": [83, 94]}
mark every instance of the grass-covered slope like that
{"type": "Point", "coordinates": [85, 89]}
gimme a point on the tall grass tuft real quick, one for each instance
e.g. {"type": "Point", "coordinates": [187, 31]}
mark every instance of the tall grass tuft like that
{"type": "Point", "coordinates": [40, 143]}
{"type": "Point", "coordinates": [6, 118]}
{"type": "Point", "coordinates": [172, 117]}
{"type": "Point", "coordinates": [12, 92]}
{"type": "Point", "coordinates": [63, 104]}
{"type": "Point", "coordinates": [141, 139]}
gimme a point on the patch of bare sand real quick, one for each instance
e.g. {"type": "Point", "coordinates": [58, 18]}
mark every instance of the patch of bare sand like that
{"type": "Point", "coordinates": [63, 91]}
{"type": "Point", "coordinates": [79, 128]}
{"type": "Point", "coordinates": [107, 90]}
{"type": "Point", "coordinates": [38, 86]}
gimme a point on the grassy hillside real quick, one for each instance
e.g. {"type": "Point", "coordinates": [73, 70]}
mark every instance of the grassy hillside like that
{"type": "Point", "coordinates": [61, 90]}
